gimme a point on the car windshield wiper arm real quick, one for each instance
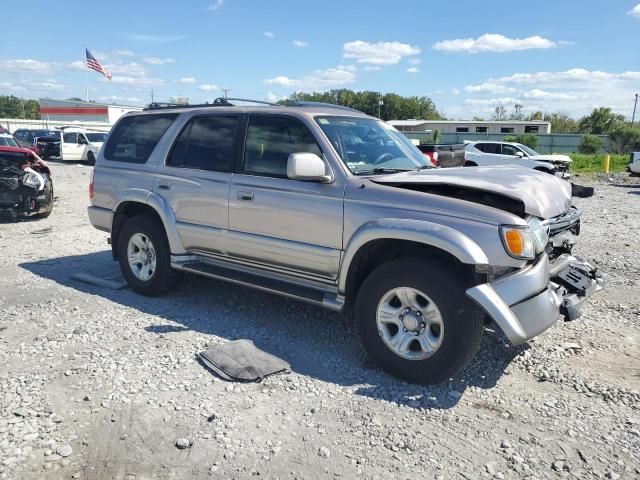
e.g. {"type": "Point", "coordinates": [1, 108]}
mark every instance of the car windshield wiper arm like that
{"type": "Point", "coordinates": [381, 170]}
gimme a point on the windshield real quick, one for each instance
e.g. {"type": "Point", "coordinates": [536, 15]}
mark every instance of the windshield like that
{"type": "Point", "coordinates": [370, 146]}
{"type": "Point", "coordinates": [96, 137]}
{"type": "Point", "coordinates": [8, 141]}
{"type": "Point", "coordinates": [530, 151]}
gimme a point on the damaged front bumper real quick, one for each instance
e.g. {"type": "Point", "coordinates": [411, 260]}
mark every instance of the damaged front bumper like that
{"type": "Point", "coordinates": [527, 302]}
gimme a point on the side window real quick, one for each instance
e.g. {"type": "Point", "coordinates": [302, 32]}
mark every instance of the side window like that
{"type": "Point", "coordinates": [270, 141]}
{"type": "Point", "coordinates": [20, 136]}
{"type": "Point", "coordinates": [509, 150]}
{"type": "Point", "coordinates": [134, 138]}
{"type": "Point", "coordinates": [480, 146]}
{"type": "Point", "coordinates": [206, 143]}
{"type": "Point", "coordinates": [492, 148]}
{"type": "Point", "coordinates": [70, 137]}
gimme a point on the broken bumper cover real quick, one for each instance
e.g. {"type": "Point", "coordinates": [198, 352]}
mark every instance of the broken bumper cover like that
{"type": "Point", "coordinates": [525, 303]}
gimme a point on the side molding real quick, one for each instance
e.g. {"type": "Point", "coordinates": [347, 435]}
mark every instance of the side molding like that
{"type": "Point", "coordinates": [438, 236]}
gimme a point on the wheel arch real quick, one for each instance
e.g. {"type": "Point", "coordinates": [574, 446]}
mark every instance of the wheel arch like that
{"type": "Point", "coordinates": [382, 240]}
{"type": "Point", "coordinates": [150, 205]}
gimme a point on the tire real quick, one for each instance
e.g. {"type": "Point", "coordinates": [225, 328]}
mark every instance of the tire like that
{"type": "Point", "coordinates": [49, 196]}
{"type": "Point", "coordinates": [91, 158]}
{"type": "Point", "coordinates": [470, 164]}
{"type": "Point", "coordinates": [136, 230]}
{"type": "Point", "coordinates": [454, 342]}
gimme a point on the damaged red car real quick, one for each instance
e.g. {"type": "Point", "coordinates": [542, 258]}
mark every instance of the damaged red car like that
{"type": "Point", "coordinates": [26, 188]}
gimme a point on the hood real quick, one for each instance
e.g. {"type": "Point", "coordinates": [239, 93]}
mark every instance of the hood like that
{"type": "Point", "coordinates": [536, 193]}
{"type": "Point", "coordinates": [553, 158]}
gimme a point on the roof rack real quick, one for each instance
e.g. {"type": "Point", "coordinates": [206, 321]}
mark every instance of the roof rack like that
{"type": "Point", "coordinates": [290, 103]}
{"type": "Point", "coordinates": [218, 102]}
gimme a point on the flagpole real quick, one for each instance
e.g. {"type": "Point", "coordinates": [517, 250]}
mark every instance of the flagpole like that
{"type": "Point", "coordinates": [86, 76]}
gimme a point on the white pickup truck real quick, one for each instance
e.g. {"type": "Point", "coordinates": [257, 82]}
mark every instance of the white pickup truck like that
{"type": "Point", "coordinates": [482, 153]}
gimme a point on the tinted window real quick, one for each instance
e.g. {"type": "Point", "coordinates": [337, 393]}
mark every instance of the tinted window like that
{"type": "Point", "coordinates": [506, 130]}
{"type": "Point", "coordinates": [206, 144]}
{"type": "Point", "coordinates": [70, 138]}
{"type": "Point", "coordinates": [270, 140]}
{"type": "Point", "coordinates": [489, 147]}
{"type": "Point", "coordinates": [481, 129]}
{"type": "Point", "coordinates": [509, 150]}
{"type": "Point", "coordinates": [462, 129]}
{"type": "Point", "coordinates": [134, 138]}
{"type": "Point", "coordinates": [531, 129]}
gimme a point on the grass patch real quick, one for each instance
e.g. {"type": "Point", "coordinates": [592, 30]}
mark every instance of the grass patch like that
{"type": "Point", "coordinates": [594, 163]}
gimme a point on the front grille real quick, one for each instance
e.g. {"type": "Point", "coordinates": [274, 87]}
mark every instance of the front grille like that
{"type": "Point", "coordinates": [567, 221]}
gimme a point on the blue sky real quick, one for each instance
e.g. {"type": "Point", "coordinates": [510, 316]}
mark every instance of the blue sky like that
{"type": "Point", "coordinates": [468, 56]}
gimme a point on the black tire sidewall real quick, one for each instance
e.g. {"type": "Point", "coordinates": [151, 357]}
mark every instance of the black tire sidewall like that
{"type": "Point", "coordinates": [49, 206]}
{"type": "Point", "coordinates": [159, 282]}
{"type": "Point", "coordinates": [462, 322]}
{"type": "Point", "coordinates": [91, 158]}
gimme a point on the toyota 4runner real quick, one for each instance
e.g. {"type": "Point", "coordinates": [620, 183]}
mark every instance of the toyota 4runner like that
{"type": "Point", "coordinates": [328, 205]}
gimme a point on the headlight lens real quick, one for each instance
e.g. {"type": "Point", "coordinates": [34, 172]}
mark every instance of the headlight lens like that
{"type": "Point", "coordinates": [31, 180]}
{"type": "Point", "coordinates": [518, 241]}
{"type": "Point", "coordinates": [540, 232]}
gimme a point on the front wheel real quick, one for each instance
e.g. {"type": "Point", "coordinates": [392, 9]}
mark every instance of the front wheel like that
{"type": "Point", "coordinates": [91, 158]}
{"type": "Point", "coordinates": [415, 321]}
{"type": "Point", "coordinates": [143, 253]}
{"type": "Point", "coordinates": [48, 195]}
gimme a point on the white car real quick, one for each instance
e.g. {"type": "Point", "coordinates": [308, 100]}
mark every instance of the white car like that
{"type": "Point", "coordinates": [78, 144]}
{"type": "Point", "coordinates": [507, 153]}
{"type": "Point", "coordinates": [634, 162]}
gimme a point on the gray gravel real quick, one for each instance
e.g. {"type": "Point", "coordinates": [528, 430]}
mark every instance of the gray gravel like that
{"type": "Point", "coordinates": [98, 383]}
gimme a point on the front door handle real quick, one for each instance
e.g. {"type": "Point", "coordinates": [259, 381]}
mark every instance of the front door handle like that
{"type": "Point", "coordinates": [164, 185]}
{"type": "Point", "coordinates": [245, 196]}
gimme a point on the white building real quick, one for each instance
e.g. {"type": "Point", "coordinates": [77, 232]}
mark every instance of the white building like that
{"type": "Point", "coordinates": [75, 111]}
{"type": "Point", "coordinates": [473, 126]}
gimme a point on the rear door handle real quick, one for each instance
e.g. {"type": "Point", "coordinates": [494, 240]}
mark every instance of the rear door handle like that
{"type": "Point", "coordinates": [164, 185]}
{"type": "Point", "coordinates": [245, 196]}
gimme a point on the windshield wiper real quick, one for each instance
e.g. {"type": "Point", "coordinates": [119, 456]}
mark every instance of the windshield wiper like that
{"type": "Point", "coordinates": [381, 170]}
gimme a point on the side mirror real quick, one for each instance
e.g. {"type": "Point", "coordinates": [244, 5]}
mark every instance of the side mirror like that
{"type": "Point", "coordinates": [519, 154]}
{"type": "Point", "coordinates": [307, 166]}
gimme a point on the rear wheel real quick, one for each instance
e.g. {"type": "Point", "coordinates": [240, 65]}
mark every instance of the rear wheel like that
{"type": "Point", "coordinates": [415, 321]}
{"type": "Point", "coordinates": [470, 164]}
{"type": "Point", "coordinates": [143, 253]}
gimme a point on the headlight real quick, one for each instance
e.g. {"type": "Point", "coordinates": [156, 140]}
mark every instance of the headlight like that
{"type": "Point", "coordinates": [540, 231]}
{"type": "Point", "coordinates": [31, 180]}
{"type": "Point", "coordinates": [518, 241]}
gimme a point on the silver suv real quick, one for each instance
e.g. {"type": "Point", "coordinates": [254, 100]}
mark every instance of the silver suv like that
{"type": "Point", "coordinates": [328, 205]}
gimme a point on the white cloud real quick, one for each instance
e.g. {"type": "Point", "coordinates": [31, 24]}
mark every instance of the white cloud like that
{"type": "Point", "coordinates": [413, 70]}
{"type": "Point", "coordinates": [269, 34]}
{"type": "Point", "coordinates": [494, 42]}
{"type": "Point", "coordinates": [158, 61]}
{"type": "Point", "coordinates": [271, 97]}
{"type": "Point", "coordinates": [372, 68]}
{"type": "Point", "coordinates": [47, 85]}
{"type": "Point", "coordinates": [318, 80]}
{"type": "Point", "coordinates": [26, 65]}
{"type": "Point", "coordinates": [455, 91]}
{"type": "Point", "coordinates": [635, 11]}
{"type": "Point", "coordinates": [208, 87]}
{"type": "Point", "coordinates": [118, 98]}
{"type": "Point", "coordinates": [300, 44]}
{"type": "Point", "coordinates": [216, 5]}
{"type": "Point", "coordinates": [12, 87]}
{"type": "Point", "coordinates": [415, 61]}
{"type": "Point", "coordinates": [188, 80]}
{"type": "Point", "coordinates": [488, 87]}
{"type": "Point", "coordinates": [135, 82]}
{"type": "Point", "coordinates": [380, 53]}
{"type": "Point", "coordinates": [576, 91]}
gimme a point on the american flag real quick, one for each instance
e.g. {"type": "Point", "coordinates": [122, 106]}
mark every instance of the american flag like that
{"type": "Point", "coordinates": [94, 64]}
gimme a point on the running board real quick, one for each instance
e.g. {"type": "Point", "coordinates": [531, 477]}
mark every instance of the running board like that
{"type": "Point", "coordinates": [314, 294]}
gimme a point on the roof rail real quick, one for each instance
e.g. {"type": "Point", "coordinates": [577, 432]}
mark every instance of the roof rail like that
{"type": "Point", "coordinates": [218, 102]}
{"type": "Point", "coordinates": [290, 103]}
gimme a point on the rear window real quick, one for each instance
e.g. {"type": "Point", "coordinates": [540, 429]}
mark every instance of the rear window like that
{"type": "Point", "coordinates": [134, 138]}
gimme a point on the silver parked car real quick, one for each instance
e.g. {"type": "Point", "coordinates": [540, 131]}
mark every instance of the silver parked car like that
{"type": "Point", "coordinates": [328, 205]}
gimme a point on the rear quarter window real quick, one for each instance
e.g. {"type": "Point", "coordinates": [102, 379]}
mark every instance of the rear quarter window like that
{"type": "Point", "coordinates": [133, 139]}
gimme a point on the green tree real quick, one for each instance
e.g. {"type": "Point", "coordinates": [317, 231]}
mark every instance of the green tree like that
{"type": "Point", "coordinates": [590, 144]}
{"type": "Point", "coordinates": [624, 139]}
{"type": "Point", "coordinates": [394, 107]}
{"type": "Point", "coordinates": [561, 122]}
{"type": "Point", "coordinates": [14, 107]}
{"type": "Point", "coordinates": [600, 122]}
{"type": "Point", "coordinates": [528, 139]}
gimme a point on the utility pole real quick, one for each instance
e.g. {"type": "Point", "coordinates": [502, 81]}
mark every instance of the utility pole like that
{"type": "Point", "coordinates": [226, 92]}
{"type": "Point", "coordinates": [380, 103]}
{"type": "Point", "coordinates": [151, 96]}
{"type": "Point", "coordinates": [633, 118]}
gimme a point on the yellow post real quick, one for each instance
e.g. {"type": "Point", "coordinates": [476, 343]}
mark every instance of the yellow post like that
{"type": "Point", "coordinates": [607, 159]}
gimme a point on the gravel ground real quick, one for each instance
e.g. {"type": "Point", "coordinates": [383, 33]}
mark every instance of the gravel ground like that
{"type": "Point", "coordinates": [103, 384]}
